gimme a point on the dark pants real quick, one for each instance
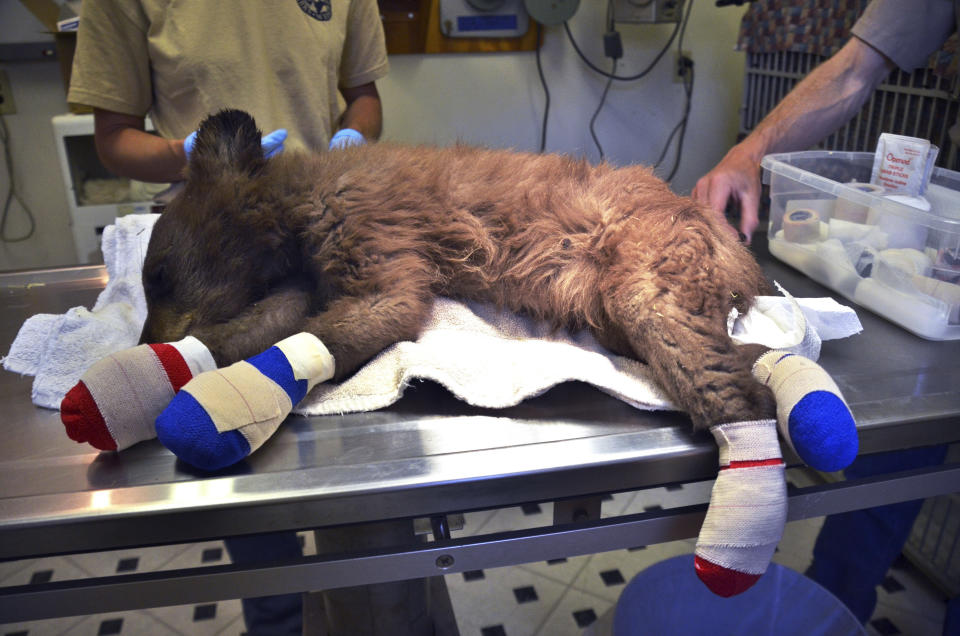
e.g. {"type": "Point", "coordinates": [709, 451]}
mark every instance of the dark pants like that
{"type": "Point", "coordinates": [855, 549]}
{"type": "Point", "coordinates": [269, 615]}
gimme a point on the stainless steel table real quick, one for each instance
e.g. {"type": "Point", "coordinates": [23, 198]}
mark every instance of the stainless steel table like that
{"type": "Point", "coordinates": [427, 456]}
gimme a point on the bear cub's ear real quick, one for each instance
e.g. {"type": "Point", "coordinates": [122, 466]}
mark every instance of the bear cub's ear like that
{"type": "Point", "coordinates": [227, 142]}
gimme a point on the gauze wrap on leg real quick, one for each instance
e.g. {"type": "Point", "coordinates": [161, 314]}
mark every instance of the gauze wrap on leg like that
{"type": "Point", "coordinates": [747, 510]}
{"type": "Point", "coordinates": [116, 401]}
{"type": "Point", "coordinates": [811, 412]}
{"type": "Point", "coordinates": [220, 417]}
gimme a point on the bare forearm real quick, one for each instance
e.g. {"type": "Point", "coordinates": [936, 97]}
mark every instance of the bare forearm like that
{"type": "Point", "coordinates": [127, 150]}
{"type": "Point", "coordinates": [820, 104]}
{"type": "Point", "coordinates": [364, 112]}
{"type": "Point", "coordinates": [824, 101]}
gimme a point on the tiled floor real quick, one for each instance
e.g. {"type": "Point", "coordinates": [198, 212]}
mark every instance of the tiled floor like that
{"type": "Point", "coordinates": [557, 598]}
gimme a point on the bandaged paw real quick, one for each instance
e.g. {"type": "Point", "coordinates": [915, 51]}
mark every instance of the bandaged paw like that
{"type": "Point", "coordinates": [811, 412]}
{"type": "Point", "coordinates": [747, 510]}
{"type": "Point", "coordinates": [116, 401]}
{"type": "Point", "coordinates": [222, 416]}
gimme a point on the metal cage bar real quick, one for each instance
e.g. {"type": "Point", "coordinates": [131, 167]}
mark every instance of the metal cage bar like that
{"type": "Point", "coordinates": [918, 104]}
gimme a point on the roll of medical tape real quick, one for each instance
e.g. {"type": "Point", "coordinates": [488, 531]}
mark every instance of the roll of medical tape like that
{"type": "Point", "coordinates": [801, 226]}
{"type": "Point", "coordinates": [847, 210]}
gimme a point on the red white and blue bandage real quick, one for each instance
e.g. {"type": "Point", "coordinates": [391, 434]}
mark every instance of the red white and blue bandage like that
{"type": "Point", "coordinates": [811, 412]}
{"type": "Point", "coordinates": [222, 416]}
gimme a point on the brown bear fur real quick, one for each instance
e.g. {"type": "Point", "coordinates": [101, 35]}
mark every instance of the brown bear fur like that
{"type": "Point", "coordinates": [353, 246]}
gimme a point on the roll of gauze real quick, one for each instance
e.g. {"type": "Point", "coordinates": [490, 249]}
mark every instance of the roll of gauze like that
{"type": "Point", "coordinates": [903, 228]}
{"type": "Point", "coordinates": [847, 210]}
{"type": "Point", "coordinates": [913, 262]}
{"type": "Point", "coordinates": [840, 274]}
{"type": "Point", "coordinates": [847, 230]}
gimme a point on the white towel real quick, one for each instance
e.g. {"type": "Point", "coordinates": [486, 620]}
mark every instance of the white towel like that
{"type": "Point", "coordinates": [497, 359]}
{"type": "Point", "coordinates": [57, 349]}
{"type": "Point", "coordinates": [485, 357]}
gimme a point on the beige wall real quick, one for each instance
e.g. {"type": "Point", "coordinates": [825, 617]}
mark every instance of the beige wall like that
{"type": "Point", "coordinates": [489, 99]}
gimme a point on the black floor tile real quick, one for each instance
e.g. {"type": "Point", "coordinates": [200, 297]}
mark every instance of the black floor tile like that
{"type": "Point", "coordinates": [612, 577]}
{"type": "Point", "coordinates": [216, 554]}
{"type": "Point", "coordinates": [129, 564]}
{"type": "Point", "coordinates": [584, 617]}
{"type": "Point", "coordinates": [41, 576]}
{"type": "Point", "coordinates": [110, 627]}
{"type": "Point", "coordinates": [673, 487]}
{"type": "Point", "coordinates": [531, 509]}
{"type": "Point", "coordinates": [557, 561]}
{"type": "Point", "coordinates": [885, 627]}
{"type": "Point", "coordinates": [901, 563]}
{"type": "Point", "coordinates": [204, 612]}
{"type": "Point", "coordinates": [654, 508]}
{"type": "Point", "coordinates": [525, 594]}
{"type": "Point", "coordinates": [473, 575]}
{"type": "Point", "coordinates": [493, 630]}
{"type": "Point", "coordinates": [891, 585]}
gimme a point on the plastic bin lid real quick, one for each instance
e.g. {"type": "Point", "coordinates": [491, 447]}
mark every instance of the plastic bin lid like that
{"type": "Point", "coordinates": [668, 598]}
{"type": "Point", "coordinates": [785, 165]}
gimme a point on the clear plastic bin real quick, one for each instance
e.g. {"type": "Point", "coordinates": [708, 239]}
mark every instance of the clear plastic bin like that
{"type": "Point", "coordinates": [890, 256]}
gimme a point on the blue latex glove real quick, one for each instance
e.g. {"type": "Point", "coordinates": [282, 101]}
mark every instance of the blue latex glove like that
{"type": "Point", "coordinates": [346, 137]}
{"type": "Point", "coordinates": [272, 143]}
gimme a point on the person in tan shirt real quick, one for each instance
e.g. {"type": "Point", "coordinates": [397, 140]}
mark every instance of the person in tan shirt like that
{"type": "Point", "coordinates": [307, 67]}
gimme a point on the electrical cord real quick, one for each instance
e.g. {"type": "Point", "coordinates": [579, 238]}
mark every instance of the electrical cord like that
{"type": "Point", "coordinates": [546, 90]}
{"type": "Point", "coordinates": [603, 98]}
{"type": "Point", "coordinates": [681, 127]}
{"type": "Point", "coordinates": [613, 49]}
{"type": "Point", "coordinates": [622, 78]}
{"type": "Point", "coordinates": [688, 80]}
{"type": "Point", "coordinates": [12, 192]}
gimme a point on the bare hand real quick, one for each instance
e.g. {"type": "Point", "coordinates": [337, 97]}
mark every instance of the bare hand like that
{"type": "Point", "coordinates": [736, 178]}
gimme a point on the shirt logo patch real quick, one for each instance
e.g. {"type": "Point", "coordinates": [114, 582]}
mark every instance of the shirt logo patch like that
{"type": "Point", "coordinates": [316, 9]}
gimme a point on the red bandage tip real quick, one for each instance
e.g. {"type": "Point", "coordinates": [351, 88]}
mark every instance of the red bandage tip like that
{"type": "Point", "coordinates": [723, 581]}
{"type": "Point", "coordinates": [83, 421]}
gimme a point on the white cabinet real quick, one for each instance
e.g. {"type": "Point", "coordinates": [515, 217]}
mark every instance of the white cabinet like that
{"type": "Point", "coordinates": [95, 197]}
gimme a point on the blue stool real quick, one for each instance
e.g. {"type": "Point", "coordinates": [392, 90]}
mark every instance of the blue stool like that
{"type": "Point", "coordinates": [668, 598]}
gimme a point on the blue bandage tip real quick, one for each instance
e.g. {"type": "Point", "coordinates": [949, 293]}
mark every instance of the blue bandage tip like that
{"type": "Point", "coordinates": [823, 431]}
{"type": "Point", "coordinates": [187, 431]}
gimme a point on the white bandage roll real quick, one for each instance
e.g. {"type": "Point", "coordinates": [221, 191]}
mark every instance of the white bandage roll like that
{"type": "Point", "coordinates": [902, 227]}
{"type": "Point", "coordinates": [847, 230]}
{"type": "Point", "coordinates": [913, 262]}
{"type": "Point", "coordinates": [847, 210]}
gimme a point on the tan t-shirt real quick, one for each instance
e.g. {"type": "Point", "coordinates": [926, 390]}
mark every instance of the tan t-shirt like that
{"type": "Point", "coordinates": [180, 60]}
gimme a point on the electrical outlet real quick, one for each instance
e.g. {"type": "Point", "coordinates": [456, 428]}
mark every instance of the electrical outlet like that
{"type": "Point", "coordinates": [7, 107]}
{"type": "Point", "coordinates": [682, 61]}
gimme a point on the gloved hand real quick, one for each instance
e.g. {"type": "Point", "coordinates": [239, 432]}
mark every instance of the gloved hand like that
{"type": "Point", "coordinates": [272, 143]}
{"type": "Point", "coordinates": [346, 137]}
